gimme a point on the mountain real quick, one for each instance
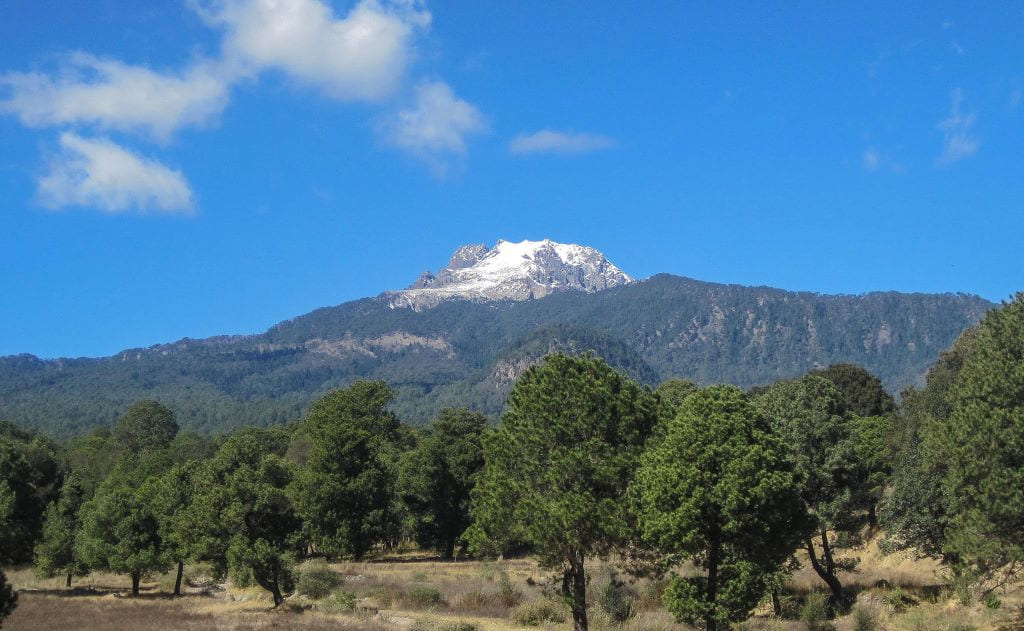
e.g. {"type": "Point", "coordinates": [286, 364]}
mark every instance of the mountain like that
{"type": "Point", "coordinates": [512, 271]}
{"type": "Point", "coordinates": [468, 342]}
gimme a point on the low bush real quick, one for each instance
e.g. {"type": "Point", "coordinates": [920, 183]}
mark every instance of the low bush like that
{"type": "Point", "coordinates": [339, 602]}
{"type": "Point", "coordinates": [815, 613]}
{"type": "Point", "coordinates": [538, 612]}
{"type": "Point", "coordinates": [616, 600]}
{"type": "Point", "coordinates": [865, 618]}
{"type": "Point", "coordinates": [508, 595]}
{"type": "Point", "coordinates": [317, 580]}
{"type": "Point", "coordinates": [423, 597]}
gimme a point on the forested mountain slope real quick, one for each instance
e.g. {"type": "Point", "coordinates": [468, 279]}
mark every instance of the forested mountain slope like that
{"type": "Point", "coordinates": [468, 353]}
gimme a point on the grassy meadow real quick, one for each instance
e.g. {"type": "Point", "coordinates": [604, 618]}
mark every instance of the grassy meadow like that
{"type": "Point", "coordinates": [415, 592]}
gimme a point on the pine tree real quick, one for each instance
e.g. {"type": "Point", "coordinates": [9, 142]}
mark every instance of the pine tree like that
{"type": "Point", "coordinates": [719, 489]}
{"type": "Point", "coordinates": [557, 467]}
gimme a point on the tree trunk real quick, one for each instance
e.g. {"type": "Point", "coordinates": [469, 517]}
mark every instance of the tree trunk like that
{"type": "Point", "coordinates": [449, 549]}
{"type": "Point", "coordinates": [830, 578]}
{"type": "Point", "coordinates": [714, 556]}
{"type": "Point", "coordinates": [872, 515]}
{"type": "Point", "coordinates": [574, 589]}
{"type": "Point", "coordinates": [177, 580]}
{"type": "Point", "coordinates": [67, 583]}
{"type": "Point", "coordinates": [776, 602]}
{"type": "Point", "coordinates": [136, 577]}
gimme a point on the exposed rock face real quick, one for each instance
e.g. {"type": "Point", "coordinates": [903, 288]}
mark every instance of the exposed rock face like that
{"type": "Point", "coordinates": [512, 271]}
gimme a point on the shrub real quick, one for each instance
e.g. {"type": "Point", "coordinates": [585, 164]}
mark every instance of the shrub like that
{"type": "Point", "coordinates": [538, 612]}
{"type": "Point", "coordinates": [992, 601]}
{"type": "Point", "coordinates": [423, 625]}
{"type": "Point", "coordinates": [508, 595]}
{"type": "Point", "coordinates": [865, 618]}
{"type": "Point", "coordinates": [814, 613]}
{"type": "Point", "coordinates": [615, 599]}
{"type": "Point", "coordinates": [317, 581]}
{"type": "Point", "coordinates": [475, 600]}
{"type": "Point", "coordinates": [340, 601]}
{"type": "Point", "coordinates": [422, 597]}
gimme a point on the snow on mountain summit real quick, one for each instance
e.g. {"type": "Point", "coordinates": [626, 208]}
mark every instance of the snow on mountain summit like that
{"type": "Point", "coordinates": [513, 271]}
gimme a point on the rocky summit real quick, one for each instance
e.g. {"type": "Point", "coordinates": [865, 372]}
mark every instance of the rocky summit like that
{"type": "Point", "coordinates": [512, 271]}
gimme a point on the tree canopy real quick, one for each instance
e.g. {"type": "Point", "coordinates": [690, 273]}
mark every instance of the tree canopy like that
{"type": "Point", "coordinates": [557, 467]}
{"type": "Point", "coordinates": [721, 490]}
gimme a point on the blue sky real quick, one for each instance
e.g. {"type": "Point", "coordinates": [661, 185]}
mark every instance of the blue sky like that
{"type": "Point", "coordinates": [202, 167]}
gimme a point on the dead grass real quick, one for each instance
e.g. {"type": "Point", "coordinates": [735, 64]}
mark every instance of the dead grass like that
{"type": "Point", "coordinates": [397, 593]}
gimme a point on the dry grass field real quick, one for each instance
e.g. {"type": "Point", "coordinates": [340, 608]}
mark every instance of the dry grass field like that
{"type": "Point", "coordinates": [418, 593]}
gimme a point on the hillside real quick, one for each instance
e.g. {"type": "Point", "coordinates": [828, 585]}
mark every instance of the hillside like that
{"type": "Point", "coordinates": [464, 352]}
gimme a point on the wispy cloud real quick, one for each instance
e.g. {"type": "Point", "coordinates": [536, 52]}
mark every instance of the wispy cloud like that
{"type": "Point", "coordinates": [116, 96]}
{"type": "Point", "coordinates": [361, 56]}
{"type": "Point", "coordinates": [565, 142]}
{"type": "Point", "coordinates": [873, 160]}
{"type": "Point", "coordinates": [98, 173]}
{"type": "Point", "coordinates": [958, 139]}
{"type": "Point", "coordinates": [435, 127]}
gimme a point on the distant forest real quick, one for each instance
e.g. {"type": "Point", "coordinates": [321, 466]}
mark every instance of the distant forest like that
{"type": "Point", "coordinates": [464, 353]}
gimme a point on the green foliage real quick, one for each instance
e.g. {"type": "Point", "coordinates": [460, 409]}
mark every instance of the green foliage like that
{"type": "Point", "coordinates": [55, 554]}
{"type": "Point", "coordinates": [345, 492]}
{"type": "Point", "coordinates": [863, 393]}
{"type": "Point", "coordinates": [915, 511]}
{"type": "Point", "coordinates": [814, 613]}
{"type": "Point", "coordinates": [145, 426]}
{"type": "Point", "coordinates": [672, 393]}
{"type": "Point", "coordinates": [21, 507]}
{"type": "Point", "coordinates": [538, 612]}
{"type": "Point", "coordinates": [340, 601]}
{"type": "Point", "coordinates": [719, 489]}
{"type": "Point", "coordinates": [422, 597]}
{"type": "Point", "coordinates": [983, 442]}
{"type": "Point", "coordinates": [242, 516]}
{"type": "Point", "coordinates": [120, 531]}
{"type": "Point", "coordinates": [557, 468]}
{"type": "Point", "coordinates": [317, 580]}
{"type": "Point", "coordinates": [8, 597]}
{"type": "Point", "coordinates": [435, 478]}
{"type": "Point", "coordinates": [810, 416]}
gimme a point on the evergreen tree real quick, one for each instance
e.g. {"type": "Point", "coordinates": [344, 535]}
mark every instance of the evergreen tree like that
{"type": "Point", "coordinates": [145, 426]}
{"type": "Point", "coordinates": [436, 477]}
{"type": "Point", "coordinates": [863, 393]}
{"type": "Point", "coordinates": [242, 518]}
{"type": "Point", "coordinates": [345, 492]}
{"type": "Point", "coordinates": [55, 554]}
{"type": "Point", "coordinates": [720, 490]}
{"type": "Point", "coordinates": [21, 507]}
{"type": "Point", "coordinates": [984, 445]}
{"type": "Point", "coordinates": [557, 467]}
{"type": "Point", "coordinates": [170, 496]}
{"type": "Point", "coordinates": [810, 417]}
{"type": "Point", "coordinates": [915, 513]}
{"type": "Point", "coordinates": [120, 531]}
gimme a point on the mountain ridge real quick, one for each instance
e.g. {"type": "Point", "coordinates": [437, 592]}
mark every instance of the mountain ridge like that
{"type": "Point", "coordinates": [451, 354]}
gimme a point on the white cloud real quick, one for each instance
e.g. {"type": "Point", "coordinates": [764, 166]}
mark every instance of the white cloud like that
{"type": "Point", "coordinates": [114, 95]}
{"type": "Point", "coordinates": [101, 174]}
{"type": "Point", "coordinates": [873, 160]}
{"type": "Point", "coordinates": [870, 159]}
{"type": "Point", "coordinates": [549, 141]}
{"type": "Point", "coordinates": [958, 141]}
{"type": "Point", "coordinates": [362, 56]}
{"type": "Point", "coordinates": [437, 124]}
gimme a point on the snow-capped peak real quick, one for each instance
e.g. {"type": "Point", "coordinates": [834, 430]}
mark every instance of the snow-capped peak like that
{"type": "Point", "coordinates": [513, 271]}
